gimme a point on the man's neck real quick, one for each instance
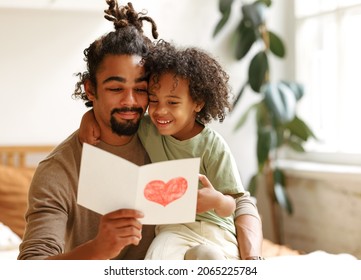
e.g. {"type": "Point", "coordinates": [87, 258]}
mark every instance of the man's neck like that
{"type": "Point", "coordinates": [114, 139]}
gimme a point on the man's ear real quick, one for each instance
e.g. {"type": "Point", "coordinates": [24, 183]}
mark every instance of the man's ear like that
{"type": "Point", "coordinates": [199, 106]}
{"type": "Point", "coordinates": [89, 90]}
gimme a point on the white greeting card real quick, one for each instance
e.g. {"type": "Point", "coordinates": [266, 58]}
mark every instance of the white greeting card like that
{"type": "Point", "coordinates": [166, 192]}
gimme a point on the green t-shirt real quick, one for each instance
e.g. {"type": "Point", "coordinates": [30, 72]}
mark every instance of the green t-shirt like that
{"type": "Point", "coordinates": [217, 162]}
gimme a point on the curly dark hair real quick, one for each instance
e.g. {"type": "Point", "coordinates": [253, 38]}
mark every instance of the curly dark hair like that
{"type": "Point", "coordinates": [208, 82]}
{"type": "Point", "coordinates": [128, 38]}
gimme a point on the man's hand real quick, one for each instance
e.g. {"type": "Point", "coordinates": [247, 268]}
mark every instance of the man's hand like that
{"type": "Point", "coordinates": [117, 230]}
{"type": "Point", "coordinates": [89, 130]}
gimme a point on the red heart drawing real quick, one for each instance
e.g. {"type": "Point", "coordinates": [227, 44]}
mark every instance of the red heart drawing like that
{"type": "Point", "coordinates": [165, 193]}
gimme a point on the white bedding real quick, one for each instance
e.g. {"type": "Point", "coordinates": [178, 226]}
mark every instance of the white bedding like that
{"type": "Point", "coordinates": [316, 255]}
{"type": "Point", "coordinates": [9, 243]}
{"type": "Point", "coordinates": [9, 249]}
{"type": "Point", "coordinates": [9, 254]}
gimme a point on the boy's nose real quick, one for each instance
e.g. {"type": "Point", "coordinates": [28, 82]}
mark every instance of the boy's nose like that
{"type": "Point", "coordinates": [160, 110]}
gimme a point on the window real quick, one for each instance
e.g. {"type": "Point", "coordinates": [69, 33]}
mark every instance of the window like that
{"type": "Point", "coordinates": [328, 64]}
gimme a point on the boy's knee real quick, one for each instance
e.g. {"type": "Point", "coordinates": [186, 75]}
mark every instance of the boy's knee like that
{"type": "Point", "coordinates": [204, 252]}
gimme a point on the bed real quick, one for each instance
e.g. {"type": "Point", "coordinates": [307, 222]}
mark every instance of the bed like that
{"type": "Point", "coordinates": [17, 166]}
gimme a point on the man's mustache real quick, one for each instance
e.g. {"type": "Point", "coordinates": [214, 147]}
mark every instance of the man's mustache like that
{"type": "Point", "coordinates": [127, 109]}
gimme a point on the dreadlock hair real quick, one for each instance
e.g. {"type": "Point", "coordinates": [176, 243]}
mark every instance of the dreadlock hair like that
{"type": "Point", "coordinates": [128, 38]}
{"type": "Point", "coordinates": [208, 82]}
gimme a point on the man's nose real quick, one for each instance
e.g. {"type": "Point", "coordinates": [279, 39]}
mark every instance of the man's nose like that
{"type": "Point", "coordinates": [129, 98]}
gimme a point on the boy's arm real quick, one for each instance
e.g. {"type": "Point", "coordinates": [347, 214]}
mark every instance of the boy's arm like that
{"type": "Point", "coordinates": [89, 131]}
{"type": "Point", "coordinates": [209, 198]}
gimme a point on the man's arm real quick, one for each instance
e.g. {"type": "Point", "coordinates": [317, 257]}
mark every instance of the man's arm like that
{"type": "Point", "coordinates": [249, 236]}
{"type": "Point", "coordinates": [89, 130]}
{"type": "Point", "coordinates": [117, 230]}
{"type": "Point", "coordinates": [248, 227]}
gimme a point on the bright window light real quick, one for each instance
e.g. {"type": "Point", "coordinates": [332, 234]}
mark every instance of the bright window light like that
{"type": "Point", "coordinates": [327, 63]}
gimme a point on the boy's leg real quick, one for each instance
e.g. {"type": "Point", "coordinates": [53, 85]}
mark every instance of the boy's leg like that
{"type": "Point", "coordinates": [220, 242]}
{"type": "Point", "coordinates": [204, 252]}
{"type": "Point", "coordinates": [171, 243]}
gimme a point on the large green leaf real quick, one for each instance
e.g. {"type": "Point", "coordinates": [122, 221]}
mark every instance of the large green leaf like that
{"type": "Point", "coordinates": [240, 93]}
{"type": "Point", "coordinates": [225, 8]}
{"type": "Point", "coordinates": [295, 145]}
{"type": "Point", "coordinates": [266, 2]}
{"type": "Point", "coordinates": [252, 186]}
{"type": "Point", "coordinates": [263, 117]}
{"type": "Point", "coordinates": [258, 71]}
{"type": "Point", "coordinates": [281, 101]}
{"type": "Point", "coordinates": [254, 14]}
{"type": "Point", "coordinates": [279, 134]}
{"type": "Point", "coordinates": [296, 88]}
{"type": "Point", "coordinates": [276, 45]}
{"type": "Point", "coordinates": [280, 191]}
{"type": "Point", "coordinates": [300, 129]}
{"type": "Point", "coordinates": [264, 145]}
{"type": "Point", "coordinates": [245, 37]}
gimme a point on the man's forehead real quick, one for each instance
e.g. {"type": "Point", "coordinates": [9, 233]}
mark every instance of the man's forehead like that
{"type": "Point", "coordinates": [122, 68]}
{"type": "Point", "coordinates": [137, 60]}
{"type": "Point", "coordinates": [114, 60]}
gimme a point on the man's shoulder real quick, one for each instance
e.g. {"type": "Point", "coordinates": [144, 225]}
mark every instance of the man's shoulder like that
{"type": "Point", "coordinates": [67, 151]}
{"type": "Point", "coordinates": [60, 169]}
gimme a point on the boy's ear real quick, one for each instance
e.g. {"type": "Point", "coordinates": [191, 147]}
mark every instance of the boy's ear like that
{"type": "Point", "coordinates": [199, 106]}
{"type": "Point", "coordinates": [89, 90]}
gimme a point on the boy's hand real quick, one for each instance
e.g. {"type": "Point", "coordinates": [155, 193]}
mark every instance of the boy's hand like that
{"type": "Point", "coordinates": [206, 196]}
{"type": "Point", "coordinates": [209, 198]}
{"type": "Point", "coordinates": [89, 131]}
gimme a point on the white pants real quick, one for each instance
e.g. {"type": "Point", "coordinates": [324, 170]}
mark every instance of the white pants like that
{"type": "Point", "coordinates": [198, 240]}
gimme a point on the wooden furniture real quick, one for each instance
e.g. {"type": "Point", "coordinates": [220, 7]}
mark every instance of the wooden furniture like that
{"type": "Point", "coordinates": [18, 156]}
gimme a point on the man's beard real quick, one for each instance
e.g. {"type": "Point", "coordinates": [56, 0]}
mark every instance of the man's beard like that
{"type": "Point", "coordinates": [128, 127]}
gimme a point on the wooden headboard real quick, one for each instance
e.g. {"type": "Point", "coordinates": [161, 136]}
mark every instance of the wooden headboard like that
{"type": "Point", "coordinates": [20, 156]}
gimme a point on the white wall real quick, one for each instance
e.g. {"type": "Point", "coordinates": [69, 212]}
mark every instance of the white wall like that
{"type": "Point", "coordinates": [42, 48]}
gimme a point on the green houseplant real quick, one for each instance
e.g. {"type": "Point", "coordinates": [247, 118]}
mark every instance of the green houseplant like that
{"type": "Point", "coordinates": [276, 118]}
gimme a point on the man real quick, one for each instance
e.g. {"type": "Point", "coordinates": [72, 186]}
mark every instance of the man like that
{"type": "Point", "coordinates": [116, 86]}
